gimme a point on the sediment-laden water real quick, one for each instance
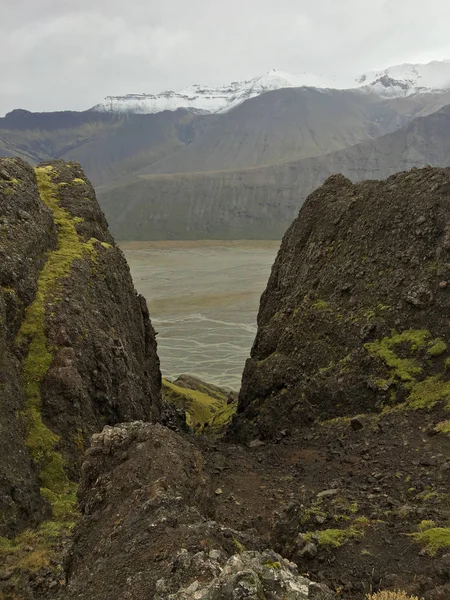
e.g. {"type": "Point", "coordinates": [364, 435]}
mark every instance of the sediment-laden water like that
{"type": "Point", "coordinates": [203, 299]}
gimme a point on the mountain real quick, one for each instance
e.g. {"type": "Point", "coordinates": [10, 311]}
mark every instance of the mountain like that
{"type": "Point", "coordinates": [261, 202]}
{"type": "Point", "coordinates": [397, 81]}
{"type": "Point", "coordinates": [241, 172]}
{"type": "Point", "coordinates": [279, 126]}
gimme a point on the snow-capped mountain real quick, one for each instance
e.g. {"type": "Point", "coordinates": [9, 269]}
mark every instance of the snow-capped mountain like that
{"type": "Point", "coordinates": [397, 81]}
{"type": "Point", "coordinates": [407, 79]}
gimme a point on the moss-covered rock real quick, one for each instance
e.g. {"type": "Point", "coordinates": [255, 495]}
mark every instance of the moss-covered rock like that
{"type": "Point", "coordinates": [77, 349]}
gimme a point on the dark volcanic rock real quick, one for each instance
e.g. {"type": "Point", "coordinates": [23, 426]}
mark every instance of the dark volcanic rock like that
{"type": "Point", "coordinates": [354, 316]}
{"type": "Point", "coordinates": [26, 233]}
{"type": "Point", "coordinates": [146, 529]}
{"type": "Point", "coordinates": [77, 349]}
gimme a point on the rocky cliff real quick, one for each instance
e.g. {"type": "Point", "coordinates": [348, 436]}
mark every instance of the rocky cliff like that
{"type": "Point", "coordinates": [354, 317]}
{"type": "Point", "coordinates": [77, 348]}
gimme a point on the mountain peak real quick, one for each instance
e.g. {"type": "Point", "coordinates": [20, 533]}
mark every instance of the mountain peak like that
{"type": "Point", "coordinates": [396, 81]}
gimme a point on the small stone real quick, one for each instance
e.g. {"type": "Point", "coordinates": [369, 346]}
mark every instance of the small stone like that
{"type": "Point", "coordinates": [326, 493]}
{"type": "Point", "coordinates": [255, 444]}
{"type": "Point", "coordinates": [219, 492]}
{"type": "Point", "coordinates": [320, 520]}
{"type": "Point", "coordinates": [356, 424]}
{"type": "Point", "coordinates": [214, 554]}
{"type": "Point", "coordinates": [443, 284]}
{"type": "Point", "coordinates": [309, 551]}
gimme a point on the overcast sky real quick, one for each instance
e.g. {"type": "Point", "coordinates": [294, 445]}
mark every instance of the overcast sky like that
{"type": "Point", "coordinates": [70, 54]}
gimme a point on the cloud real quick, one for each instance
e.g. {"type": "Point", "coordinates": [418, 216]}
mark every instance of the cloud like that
{"type": "Point", "coordinates": [65, 55]}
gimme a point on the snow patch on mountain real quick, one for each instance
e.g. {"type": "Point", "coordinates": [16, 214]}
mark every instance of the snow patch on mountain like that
{"type": "Point", "coordinates": [407, 79]}
{"type": "Point", "coordinates": [397, 81]}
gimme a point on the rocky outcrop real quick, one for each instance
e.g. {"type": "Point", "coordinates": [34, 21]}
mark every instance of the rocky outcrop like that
{"type": "Point", "coordinates": [77, 348]}
{"type": "Point", "coordinates": [354, 317]}
{"type": "Point", "coordinates": [147, 529]}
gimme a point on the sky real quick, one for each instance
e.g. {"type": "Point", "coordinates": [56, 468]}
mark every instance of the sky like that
{"type": "Point", "coordinates": [70, 54]}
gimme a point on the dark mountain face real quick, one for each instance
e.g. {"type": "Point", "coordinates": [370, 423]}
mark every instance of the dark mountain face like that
{"type": "Point", "coordinates": [261, 202]}
{"type": "Point", "coordinates": [77, 349]}
{"type": "Point", "coordinates": [108, 145]}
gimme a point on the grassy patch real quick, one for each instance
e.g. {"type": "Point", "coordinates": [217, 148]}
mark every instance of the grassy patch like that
{"type": "Point", "coordinates": [333, 538]}
{"type": "Point", "coordinates": [34, 549]}
{"type": "Point", "coordinates": [273, 565]}
{"type": "Point", "coordinates": [432, 539]}
{"type": "Point", "coordinates": [321, 305]}
{"type": "Point", "coordinates": [202, 411]}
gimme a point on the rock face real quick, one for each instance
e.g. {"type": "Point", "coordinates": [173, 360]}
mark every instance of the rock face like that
{"type": "Point", "coordinates": [354, 317]}
{"type": "Point", "coordinates": [147, 531]}
{"type": "Point", "coordinates": [77, 348]}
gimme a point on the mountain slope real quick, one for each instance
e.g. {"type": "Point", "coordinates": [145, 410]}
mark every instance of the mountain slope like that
{"type": "Point", "coordinates": [107, 145]}
{"type": "Point", "coordinates": [261, 202]}
{"type": "Point", "coordinates": [288, 125]}
{"type": "Point", "coordinates": [277, 126]}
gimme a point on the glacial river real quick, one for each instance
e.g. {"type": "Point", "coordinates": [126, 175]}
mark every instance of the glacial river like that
{"type": "Point", "coordinates": [203, 299]}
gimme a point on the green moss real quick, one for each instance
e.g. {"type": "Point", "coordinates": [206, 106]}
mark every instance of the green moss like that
{"type": "Point", "coordinates": [424, 525]}
{"type": "Point", "coordinates": [79, 181]}
{"type": "Point", "coordinates": [40, 440]}
{"type": "Point", "coordinates": [222, 417]}
{"type": "Point", "coordinates": [63, 505]}
{"type": "Point", "coordinates": [333, 538]}
{"type": "Point", "coordinates": [443, 427]}
{"type": "Point", "coordinates": [433, 539]}
{"type": "Point", "coordinates": [310, 513]}
{"type": "Point", "coordinates": [426, 393]}
{"type": "Point", "coordinates": [34, 549]}
{"type": "Point", "coordinates": [273, 565]}
{"type": "Point", "coordinates": [239, 547]}
{"type": "Point", "coordinates": [404, 369]}
{"type": "Point", "coordinates": [5, 543]}
{"type": "Point", "coordinates": [321, 305]}
{"type": "Point", "coordinates": [436, 347]}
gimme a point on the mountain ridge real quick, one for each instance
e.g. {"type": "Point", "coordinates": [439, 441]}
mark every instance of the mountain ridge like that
{"type": "Point", "coordinates": [393, 82]}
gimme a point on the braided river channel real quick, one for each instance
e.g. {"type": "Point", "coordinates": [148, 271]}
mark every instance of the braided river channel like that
{"type": "Point", "coordinates": [203, 298]}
